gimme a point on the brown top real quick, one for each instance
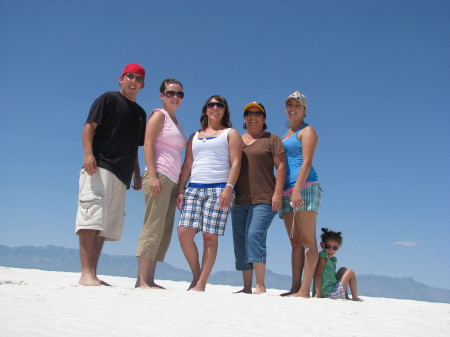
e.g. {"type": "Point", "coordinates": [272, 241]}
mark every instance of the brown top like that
{"type": "Point", "coordinates": [256, 182]}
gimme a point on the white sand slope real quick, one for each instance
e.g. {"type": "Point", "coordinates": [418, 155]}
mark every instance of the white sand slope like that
{"type": "Point", "coordinates": [43, 303]}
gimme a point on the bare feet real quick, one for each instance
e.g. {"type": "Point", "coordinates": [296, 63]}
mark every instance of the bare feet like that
{"type": "Point", "coordinates": [193, 284]}
{"type": "Point", "coordinates": [89, 281]}
{"type": "Point", "coordinates": [102, 283]}
{"type": "Point", "coordinates": [199, 289]}
{"type": "Point", "coordinates": [259, 290]}
{"type": "Point", "coordinates": [289, 293]}
{"type": "Point", "coordinates": [147, 285]}
{"type": "Point", "coordinates": [151, 286]}
{"type": "Point", "coordinates": [243, 291]}
{"type": "Point", "coordinates": [300, 294]}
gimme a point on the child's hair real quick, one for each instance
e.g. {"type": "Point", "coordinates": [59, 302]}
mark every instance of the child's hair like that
{"type": "Point", "coordinates": [330, 235]}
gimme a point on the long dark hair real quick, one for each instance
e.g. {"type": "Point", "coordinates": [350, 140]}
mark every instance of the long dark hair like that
{"type": "Point", "coordinates": [226, 115]}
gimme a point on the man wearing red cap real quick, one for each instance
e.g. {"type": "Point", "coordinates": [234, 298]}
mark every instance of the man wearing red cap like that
{"type": "Point", "coordinates": [114, 130]}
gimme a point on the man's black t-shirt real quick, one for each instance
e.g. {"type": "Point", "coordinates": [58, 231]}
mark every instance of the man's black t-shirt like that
{"type": "Point", "coordinates": [120, 131]}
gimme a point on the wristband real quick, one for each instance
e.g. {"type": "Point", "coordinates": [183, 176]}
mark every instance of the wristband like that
{"type": "Point", "coordinates": [230, 185]}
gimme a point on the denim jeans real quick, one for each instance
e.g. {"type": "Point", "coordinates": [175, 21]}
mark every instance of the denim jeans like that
{"type": "Point", "coordinates": [250, 225]}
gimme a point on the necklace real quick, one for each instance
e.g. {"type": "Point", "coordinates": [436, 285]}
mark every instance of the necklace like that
{"type": "Point", "coordinates": [206, 135]}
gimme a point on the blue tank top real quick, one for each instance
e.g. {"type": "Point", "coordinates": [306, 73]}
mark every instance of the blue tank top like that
{"type": "Point", "coordinates": [294, 160]}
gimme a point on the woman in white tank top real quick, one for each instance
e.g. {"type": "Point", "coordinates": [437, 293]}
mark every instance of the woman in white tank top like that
{"type": "Point", "coordinates": [213, 162]}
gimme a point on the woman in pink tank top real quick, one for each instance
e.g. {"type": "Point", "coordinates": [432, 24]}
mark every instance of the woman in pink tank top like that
{"type": "Point", "coordinates": [164, 141]}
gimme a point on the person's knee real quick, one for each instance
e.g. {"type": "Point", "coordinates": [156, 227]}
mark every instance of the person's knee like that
{"type": "Point", "coordinates": [255, 237]}
{"type": "Point", "coordinates": [309, 243]}
{"type": "Point", "coordinates": [183, 234]}
{"type": "Point", "coordinates": [346, 276]}
{"type": "Point", "coordinates": [238, 235]}
{"type": "Point", "coordinates": [210, 241]}
{"type": "Point", "coordinates": [350, 273]}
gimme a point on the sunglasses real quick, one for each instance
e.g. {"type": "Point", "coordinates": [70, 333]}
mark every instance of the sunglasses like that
{"type": "Point", "coordinates": [327, 246]}
{"type": "Point", "coordinates": [131, 76]}
{"type": "Point", "coordinates": [215, 104]}
{"type": "Point", "coordinates": [254, 113]}
{"type": "Point", "coordinates": [171, 93]}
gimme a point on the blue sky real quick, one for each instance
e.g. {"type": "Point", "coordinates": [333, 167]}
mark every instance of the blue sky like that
{"type": "Point", "coordinates": [376, 73]}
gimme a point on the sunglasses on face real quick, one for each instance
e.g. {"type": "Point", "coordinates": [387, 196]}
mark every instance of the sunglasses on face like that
{"type": "Point", "coordinates": [254, 113]}
{"type": "Point", "coordinates": [131, 76]}
{"type": "Point", "coordinates": [211, 105]}
{"type": "Point", "coordinates": [172, 93]}
{"type": "Point", "coordinates": [327, 246]}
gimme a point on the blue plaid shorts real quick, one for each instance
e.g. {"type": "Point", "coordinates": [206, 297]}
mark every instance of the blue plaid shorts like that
{"type": "Point", "coordinates": [201, 210]}
{"type": "Point", "coordinates": [312, 198]}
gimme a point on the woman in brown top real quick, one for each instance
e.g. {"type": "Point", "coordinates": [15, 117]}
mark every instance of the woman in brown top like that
{"type": "Point", "coordinates": [258, 196]}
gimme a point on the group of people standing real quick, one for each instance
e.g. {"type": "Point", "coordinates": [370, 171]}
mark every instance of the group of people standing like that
{"type": "Point", "coordinates": [253, 177]}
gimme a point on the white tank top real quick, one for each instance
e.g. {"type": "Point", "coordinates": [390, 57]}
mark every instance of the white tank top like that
{"type": "Point", "coordinates": [211, 159]}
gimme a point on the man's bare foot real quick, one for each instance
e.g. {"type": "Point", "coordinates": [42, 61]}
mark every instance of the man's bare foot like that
{"type": "Point", "coordinates": [357, 299]}
{"type": "Point", "coordinates": [89, 281]}
{"type": "Point", "coordinates": [243, 291]}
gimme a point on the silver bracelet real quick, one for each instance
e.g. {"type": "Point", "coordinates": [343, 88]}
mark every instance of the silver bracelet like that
{"type": "Point", "coordinates": [230, 185]}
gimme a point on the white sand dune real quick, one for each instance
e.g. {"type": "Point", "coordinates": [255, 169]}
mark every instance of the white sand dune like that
{"type": "Point", "coordinates": [44, 303]}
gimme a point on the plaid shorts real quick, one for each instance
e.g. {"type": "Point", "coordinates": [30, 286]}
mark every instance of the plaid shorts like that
{"type": "Point", "coordinates": [201, 210]}
{"type": "Point", "coordinates": [312, 198]}
{"type": "Point", "coordinates": [337, 292]}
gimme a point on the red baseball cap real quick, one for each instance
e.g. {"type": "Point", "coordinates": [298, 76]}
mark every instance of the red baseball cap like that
{"type": "Point", "coordinates": [134, 68]}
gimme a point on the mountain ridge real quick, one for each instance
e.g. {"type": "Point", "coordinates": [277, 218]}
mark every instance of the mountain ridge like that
{"type": "Point", "coordinates": [57, 258]}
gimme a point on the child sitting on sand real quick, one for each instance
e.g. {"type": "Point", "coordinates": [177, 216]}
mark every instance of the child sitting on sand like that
{"type": "Point", "coordinates": [328, 283]}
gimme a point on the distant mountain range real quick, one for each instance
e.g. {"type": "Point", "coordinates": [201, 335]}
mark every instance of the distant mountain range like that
{"type": "Point", "coordinates": [67, 259]}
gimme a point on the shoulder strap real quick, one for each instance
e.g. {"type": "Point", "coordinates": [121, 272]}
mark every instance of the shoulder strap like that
{"type": "Point", "coordinates": [163, 111]}
{"type": "Point", "coordinates": [304, 125]}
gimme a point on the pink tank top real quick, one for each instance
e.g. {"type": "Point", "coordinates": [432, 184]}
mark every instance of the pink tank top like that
{"type": "Point", "coordinates": [169, 144]}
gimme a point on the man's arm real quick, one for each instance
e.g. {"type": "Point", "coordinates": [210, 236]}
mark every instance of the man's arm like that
{"type": "Point", "coordinates": [87, 137]}
{"type": "Point", "coordinates": [137, 179]}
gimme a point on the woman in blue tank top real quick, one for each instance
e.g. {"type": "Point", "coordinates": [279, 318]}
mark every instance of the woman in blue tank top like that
{"type": "Point", "coordinates": [301, 196]}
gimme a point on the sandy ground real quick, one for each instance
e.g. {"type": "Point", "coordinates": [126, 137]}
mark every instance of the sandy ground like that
{"type": "Point", "coordinates": [44, 303]}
